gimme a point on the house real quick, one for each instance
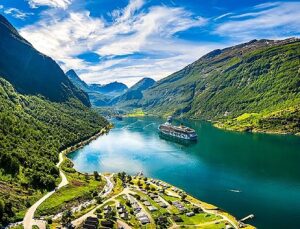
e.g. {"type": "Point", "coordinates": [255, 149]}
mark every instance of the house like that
{"type": "Point", "coordinates": [89, 226]}
{"type": "Point", "coordinates": [147, 203]}
{"type": "Point", "coordinates": [152, 209]}
{"type": "Point", "coordinates": [181, 208]}
{"type": "Point", "coordinates": [144, 220]}
{"type": "Point", "coordinates": [163, 205]}
{"type": "Point", "coordinates": [124, 216]}
{"type": "Point", "coordinates": [157, 200]}
{"type": "Point", "coordinates": [91, 223]}
{"type": "Point", "coordinates": [121, 210]}
{"type": "Point", "coordinates": [136, 207]}
{"type": "Point", "coordinates": [142, 217]}
{"type": "Point", "coordinates": [152, 196]}
{"type": "Point", "coordinates": [140, 214]}
{"type": "Point", "coordinates": [107, 209]}
{"type": "Point", "coordinates": [189, 214]}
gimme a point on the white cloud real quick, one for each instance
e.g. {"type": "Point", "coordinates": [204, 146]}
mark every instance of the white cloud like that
{"type": "Point", "coordinates": [279, 19]}
{"type": "Point", "coordinates": [52, 3]}
{"type": "Point", "coordinates": [1, 7]}
{"type": "Point", "coordinates": [133, 31]}
{"type": "Point", "coordinates": [128, 12]}
{"type": "Point", "coordinates": [16, 13]}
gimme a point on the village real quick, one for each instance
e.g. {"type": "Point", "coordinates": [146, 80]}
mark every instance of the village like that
{"type": "Point", "coordinates": [141, 202]}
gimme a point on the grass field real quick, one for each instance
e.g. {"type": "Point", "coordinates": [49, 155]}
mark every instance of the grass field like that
{"type": "Point", "coordinates": [136, 113]}
{"type": "Point", "coordinates": [198, 219]}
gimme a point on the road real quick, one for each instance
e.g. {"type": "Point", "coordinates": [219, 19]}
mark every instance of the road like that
{"type": "Point", "coordinates": [28, 220]}
{"type": "Point", "coordinates": [109, 186]}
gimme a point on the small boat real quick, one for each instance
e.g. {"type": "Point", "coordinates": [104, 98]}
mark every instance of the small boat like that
{"type": "Point", "coordinates": [178, 132]}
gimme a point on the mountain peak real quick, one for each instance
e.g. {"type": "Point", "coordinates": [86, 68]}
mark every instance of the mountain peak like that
{"type": "Point", "coordinates": [143, 84]}
{"type": "Point", "coordinates": [72, 75]}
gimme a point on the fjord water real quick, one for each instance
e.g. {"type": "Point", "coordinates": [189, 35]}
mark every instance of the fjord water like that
{"type": "Point", "coordinates": [264, 169]}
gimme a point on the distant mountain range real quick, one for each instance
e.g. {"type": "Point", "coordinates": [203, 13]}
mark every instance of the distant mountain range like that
{"type": "Point", "coordinates": [113, 93]}
{"type": "Point", "coordinates": [132, 96]}
{"type": "Point", "coordinates": [253, 86]}
{"type": "Point", "coordinates": [100, 95]}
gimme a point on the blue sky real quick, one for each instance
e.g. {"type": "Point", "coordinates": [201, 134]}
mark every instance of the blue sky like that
{"type": "Point", "coordinates": [126, 40]}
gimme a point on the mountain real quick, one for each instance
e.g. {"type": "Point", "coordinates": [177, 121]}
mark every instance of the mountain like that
{"type": "Point", "coordinates": [143, 84]}
{"type": "Point", "coordinates": [113, 89]}
{"type": "Point", "coordinates": [99, 95]}
{"type": "Point", "coordinates": [133, 94]}
{"type": "Point", "coordinates": [41, 113]}
{"type": "Point", "coordinates": [253, 86]}
{"type": "Point", "coordinates": [72, 75]}
{"type": "Point", "coordinates": [32, 72]}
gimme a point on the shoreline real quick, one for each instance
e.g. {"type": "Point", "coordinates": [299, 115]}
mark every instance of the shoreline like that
{"type": "Point", "coordinates": [210, 207]}
{"type": "Point", "coordinates": [219, 125]}
{"type": "Point", "coordinates": [83, 143]}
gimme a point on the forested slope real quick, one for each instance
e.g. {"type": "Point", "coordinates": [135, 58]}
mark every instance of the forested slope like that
{"type": "Point", "coordinates": [261, 77]}
{"type": "Point", "coordinates": [32, 132]}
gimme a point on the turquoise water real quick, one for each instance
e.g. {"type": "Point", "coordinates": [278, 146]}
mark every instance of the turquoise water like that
{"type": "Point", "coordinates": [264, 168]}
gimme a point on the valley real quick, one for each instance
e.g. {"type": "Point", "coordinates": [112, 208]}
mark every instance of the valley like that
{"type": "Point", "coordinates": [251, 87]}
{"type": "Point", "coordinates": [78, 154]}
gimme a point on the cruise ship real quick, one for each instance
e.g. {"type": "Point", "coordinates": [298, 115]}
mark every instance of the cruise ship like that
{"type": "Point", "coordinates": [178, 132]}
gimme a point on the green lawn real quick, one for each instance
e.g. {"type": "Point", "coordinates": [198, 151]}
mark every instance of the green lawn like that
{"type": "Point", "coordinates": [198, 219]}
{"type": "Point", "coordinates": [220, 225]}
{"type": "Point", "coordinates": [170, 198]}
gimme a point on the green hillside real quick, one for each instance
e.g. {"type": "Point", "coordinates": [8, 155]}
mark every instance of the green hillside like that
{"type": "Point", "coordinates": [132, 96]}
{"type": "Point", "coordinates": [261, 77]}
{"type": "Point", "coordinates": [32, 132]}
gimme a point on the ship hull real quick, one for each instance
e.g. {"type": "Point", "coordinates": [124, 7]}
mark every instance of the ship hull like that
{"type": "Point", "coordinates": [176, 140]}
{"type": "Point", "coordinates": [176, 136]}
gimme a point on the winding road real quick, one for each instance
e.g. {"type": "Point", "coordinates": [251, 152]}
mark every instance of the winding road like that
{"type": "Point", "coordinates": [28, 220]}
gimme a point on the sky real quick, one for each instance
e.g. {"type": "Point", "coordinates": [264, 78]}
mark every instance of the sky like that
{"type": "Point", "coordinates": [127, 40]}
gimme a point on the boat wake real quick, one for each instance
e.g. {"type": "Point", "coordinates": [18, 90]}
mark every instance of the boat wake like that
{"type": "Point", "coordinates": [235, 190]}
{"type": "Point", "coordinates": [148, 125]}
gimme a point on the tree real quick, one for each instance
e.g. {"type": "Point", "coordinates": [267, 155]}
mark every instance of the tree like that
{"type": "Point", "coordinates": [122, 176]}
{"type": "Point", "coordinates": [129, 178]}
{"type": "Point", "coordinates": [97, 176]}
{"type": "Point", "coordinates": [66, 218]}
{"type": "Point", "coordinates": [2, 206]}
{"type": "Point", "coordinates": [86, 176]}
{"type": "Point", "coordinates": [99, 199]}
{"type": "Point", "coordinates": [147, 187]}
{"type": "Point", "coordinates": [183, 196]}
